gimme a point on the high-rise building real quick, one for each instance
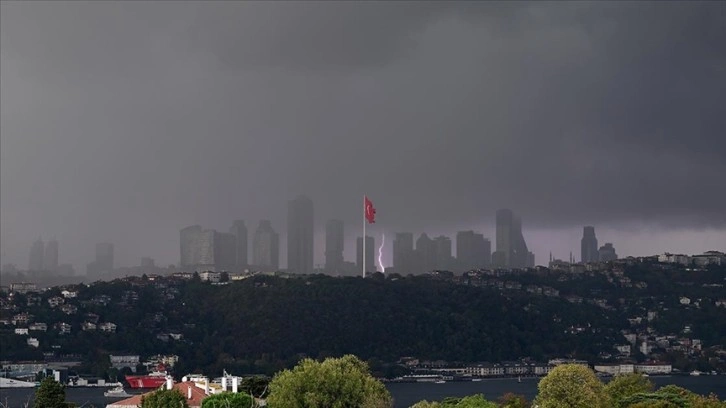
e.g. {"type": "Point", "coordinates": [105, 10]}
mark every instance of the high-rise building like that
{"type": "Point", "coordinates": [370, 257]}
{"type": "Point", "coordinates": [300, 235]}
{"type": "Point", "coordinates": [425, 254]}
{"type": "Point", "coordinates": [334, 246]}
{"type": "Point", "coordinates": [473, 251]}
{"type": "Point", "coordinates": [225, 251]}
{"type": "Point", "coordinates": [104, 256]}
{"type": "Point", "coordinates": [442, 251]}
{"type": "Point", "coordinates": [266, 247]}
{"type": "Point", "coordinates": [588, 246]}
{"type": "Point", "coordinates": [239, 229]}
{"type": "Point", "coordinates": [196, 246]}
{"type": "Point", "coordinates": [403, 254]}
{"type": "Point", "coordinates": [512, 249]}
{"type": "Point", "coordinates": [607, 253]}
{"type": "Point", "coordinates": [35, 261]}
{"type": "Point", "coordinates": [50, 257]}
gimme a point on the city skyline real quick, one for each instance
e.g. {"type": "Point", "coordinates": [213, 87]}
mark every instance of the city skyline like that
{"type": "Point", "coordinates": [570, 114]}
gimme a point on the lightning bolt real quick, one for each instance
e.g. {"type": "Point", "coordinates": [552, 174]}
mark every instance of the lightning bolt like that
{"type": "Point", "coordinates": [380, 252]}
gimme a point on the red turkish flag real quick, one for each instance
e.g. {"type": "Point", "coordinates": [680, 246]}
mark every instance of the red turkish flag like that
{"type": "Point", "coordinates": [370, 212]}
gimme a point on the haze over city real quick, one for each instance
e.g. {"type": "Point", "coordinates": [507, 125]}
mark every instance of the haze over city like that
{"type": "Point", "coordinates": [124, 122]}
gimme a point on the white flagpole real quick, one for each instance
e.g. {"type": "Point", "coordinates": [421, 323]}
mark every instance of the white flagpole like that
{"type": "Point", "coordinates": [364, 236]}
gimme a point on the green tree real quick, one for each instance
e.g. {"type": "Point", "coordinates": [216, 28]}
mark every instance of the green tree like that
{"type": "Point", "coordinates": [626, 385]}
{"type": "Point", "coordinates": [473, 401]}
{"type": "Point", "coordinates": [164, 399]}
{"type": "Point", "coordinates": [572, 386]}
{"type": "Point", "coordinates": [426, 404]}
{"type": "Point", "coordinates": [51, 394]}
{"type": "Point", "coordinates": [228, 400]}
{"type": "Point", "coordinates": [510, 400]}
{"type": "Point", "coordinates": [256, 386]}
{"type": "Point", "coordinates": [334, 383]}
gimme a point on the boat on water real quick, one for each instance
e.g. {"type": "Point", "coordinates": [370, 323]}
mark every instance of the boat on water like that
{"type": "Point", "coordinates": [519, 379]}
{"type": "Point", "coordinates": [118, 392]}
{"type": "Point", "coordinates": [476, 379]}
{"type": "Point", "coordinates": [695, 373]}
{"type": "Point", "coordinates": [13, 383]}
{"type": "Point", "coordinates": [152, 380]}
{"type": "Point", "coordinates": [440, 382]}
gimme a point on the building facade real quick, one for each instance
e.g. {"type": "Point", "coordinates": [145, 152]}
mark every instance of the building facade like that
{"type": "Point", "coordinates": [266, 247]}
{"type": "Point", "coordinates": [334, 246]}
{"type": "Point", "coordinates": [588, 246]}
{"type": "Point", "coordinates": [239, 230]}
{"type": "Point", "coordinates": [300, 235]}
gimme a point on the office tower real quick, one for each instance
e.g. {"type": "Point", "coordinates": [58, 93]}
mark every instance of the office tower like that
{"type": "Point", "coordinates": [607, 253]}
{"type": "Point", "coordinates": [35, 262]}
{"type": "Point", "coordinates": [104, 256]}
{"type": "Point", "coordinates": [188, 248]}
{"type": "Point", "coordinates": [239, 229]}
{"type": "Point", "coordinates": [442, 253]}
{"type": "Point", "coordinates": [403, 253]}
{"type": "Point", "coordinates": [473, 251]}
{"type": "Point", "coordinates": [196, 247]}
{"type": "Point", "coordinates": [266, 247]}
{"type": "Point", "coordinates": [512, 249]}
{"type": "Point", "coordinates": [300, 235]}
{"type": "Point", "coordinates": [425, 254]}
{"type": "Point", "coordinates": [225, 251]}
{"type": "Point", "coordinates": [334, 245]}
{"type": "Point", "coordinates": [588, 246]}
{"type": "Point", "coordinates": [370, 257]}
{"type": "Point", "coordinates": [50, 257]}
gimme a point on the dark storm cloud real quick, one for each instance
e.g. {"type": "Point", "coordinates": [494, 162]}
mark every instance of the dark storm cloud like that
{"type": "Point", "coordinates": [126, 121]}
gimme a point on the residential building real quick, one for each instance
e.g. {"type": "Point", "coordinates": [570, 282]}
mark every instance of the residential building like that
{"type": "Point", "coordinates": [196, 246]}
{"type": "Point", "coordinates": [442, 251]}
{"type": "Point", "coordinates": [425, 254]}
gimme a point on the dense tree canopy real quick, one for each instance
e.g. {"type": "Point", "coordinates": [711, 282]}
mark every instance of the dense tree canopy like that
{"type": "Point", "coordinates": [164, 399]}
{"type": "Point", "coordinates": [51, 394]}
{"type": "Point", "coordinates": [572, 386]}
{"type": "Point", "coordinates": [334, 383]}
{"type": "Point", "coordinates": [623, 386]}
{"type": "Point", "coordinates": [228, 400]}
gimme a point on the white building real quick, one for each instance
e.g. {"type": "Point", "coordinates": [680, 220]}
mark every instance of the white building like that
{"type": "Point", "coordinates": [653, 368]}
{"type": "Point", "coordinates": [33, 342]}
{"type": "Point", "coordinates": [107, 327]}
{"type": "Point", "coordinates": [21, 331]}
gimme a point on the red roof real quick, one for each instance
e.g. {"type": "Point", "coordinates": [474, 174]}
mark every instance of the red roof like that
{"type": "Point", "coordinates": [183, 387]}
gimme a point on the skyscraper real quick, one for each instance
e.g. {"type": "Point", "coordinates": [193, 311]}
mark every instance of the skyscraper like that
{"type": "Point", "coordinates": [403, 253]}
{"type": "Point", "coordinates": [512, 249]}
{"type": "Point", "coordinates": [473, 251]}
{"type": "Point", "coordinates": [266, 247]}
{"type": "Point", "coordinates": [225, 251]}
{"type": "Point", "coordinates": [239, 229]}
{"type": "Point", "coordinates": [35, 261]}
{"type": "Point", "coordinates": [588, 246]}
{"type": "Point", "coordinates": [442, 253]}
{"type": "Point", "coordinates": [50, 257]}
{"type": "Point", "coordinates": [104, 256]}
{"type": "Point", "coordinates": [300, 238]}
{"type": "Point", "coordinates": [607, 253]}
{"type": "Point", "coordinates": [370, 257]}
{"type": "Point", "coordinates": [334, 246]}
{"type": "Point", "coordinates": [196, 247]}
{"type": "Point", "coordinates": [425, 254]}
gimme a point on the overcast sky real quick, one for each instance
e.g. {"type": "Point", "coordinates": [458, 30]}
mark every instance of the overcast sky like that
{"type": "Point", "coordinates": [126, 121]}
